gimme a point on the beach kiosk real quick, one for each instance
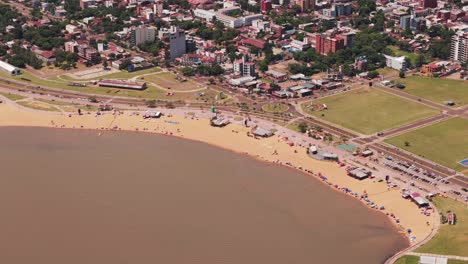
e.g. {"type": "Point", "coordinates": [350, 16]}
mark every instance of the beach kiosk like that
{"type": "Point", "coordinates": [151, 114]}
{"type": "Point", "coordinates": [419, 200]}
{"type": "Point", "coordinates": [219, 122]}
{"type": "Point", "coordinates": [359, 173]}
{"type": "Point", "coordinates": [261, 132]}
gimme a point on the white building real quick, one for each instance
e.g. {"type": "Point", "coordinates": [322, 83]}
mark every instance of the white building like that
{"type": "Point", "coordinates": [177, 42]}
{"type": "Point", "coordinates": [223, 16]}
{"type": "Point", "coordinates": [207, 15]}
{"type": "Point", "coordinates": [459, 47]}
{"type": "Point", "coordinates": [397, 63]}
{"type": "Point", "coordinates": [6, 67]}
{"type": "Point", "coordinates": [260, 25]}
{"type": "Point", "coordinates": [70, 28]}
{"type": "Point", "coordinates": [142, 34]}
{"type": "Point", "coordinates": [241, 81]}
{"type": "Point", "coordinates": [244, 67]}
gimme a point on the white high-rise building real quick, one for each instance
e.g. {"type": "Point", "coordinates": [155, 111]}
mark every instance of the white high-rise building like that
{"type": "Point", "coordinates": [177, 42]}
{"type": "Point", "coordinates": [459, 47]}
{"type": "Point", "coordinates": [142, 34]}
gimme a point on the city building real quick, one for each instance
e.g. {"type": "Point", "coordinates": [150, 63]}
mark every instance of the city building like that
{"type": "Point", "coordinates": [412, 22]}
{"type": "Point", "coordinates": [306, 5]}
{"type": "Point", "coordinates": [8, 68]}
{"type": "Point", "coordinates": [71, 46]}
{"type": "Point", "coordinates": [325, 45]}
{"type": "Point", "coordinates": [429, 3]}
{"type": "Point", "coordinates": [87, 53]}
{"type": "Point", "coordinates": [142, 34]}
{"type": "Point", "coordinates": [125, 84]}
{"type": "Point", "coordinates": [222, 15]}
{"type": "Point", "coordinates": [360, 63]}
{"type": "Point", "coordinates": [244, 67]}
{"type": "Point", "coordinates": [459, 47]}
{"type": "Point", "coordinates": [397, 63]}
{"type": "Point", "coordinates": [177, 44]}
{"type": "Point", "coordinates": [265, 5]}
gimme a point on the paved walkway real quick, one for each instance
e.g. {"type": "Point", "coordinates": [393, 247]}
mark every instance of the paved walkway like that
{"type": "Point", "coordinates": [436, 255]}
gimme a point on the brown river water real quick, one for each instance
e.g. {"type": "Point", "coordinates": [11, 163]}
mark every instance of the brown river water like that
{"type": "Point", "coordinates": [70, 196]}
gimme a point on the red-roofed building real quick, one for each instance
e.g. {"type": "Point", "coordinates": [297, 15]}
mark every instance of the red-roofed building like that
{"type": "Point", "coordinates": [253, 42]}
{"type": "Point", "coordinates": [430, 68]}
{"type": "Point", "coordinates": [44, 55]}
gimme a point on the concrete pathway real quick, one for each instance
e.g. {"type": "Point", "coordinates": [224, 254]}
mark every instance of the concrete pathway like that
{"type": "Point", "coordinates": [436, 255]}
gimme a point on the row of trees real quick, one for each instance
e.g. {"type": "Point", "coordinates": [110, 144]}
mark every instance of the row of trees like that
{"type": "Point", "coordinates": [206, 70]}
{"type": "Point", "coordinates": [23, 57]}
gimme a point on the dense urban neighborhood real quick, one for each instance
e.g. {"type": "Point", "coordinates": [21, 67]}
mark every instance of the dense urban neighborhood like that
{"type": "Point", "coordinates": [381, 84]}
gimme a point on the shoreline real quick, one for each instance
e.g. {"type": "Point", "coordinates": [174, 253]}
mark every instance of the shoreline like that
{"type": "Point", "coordinates": [233, 138]}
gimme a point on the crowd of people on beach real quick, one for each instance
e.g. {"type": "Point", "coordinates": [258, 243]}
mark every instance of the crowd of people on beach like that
{"type": "Point", "coordinates": [364, 197]}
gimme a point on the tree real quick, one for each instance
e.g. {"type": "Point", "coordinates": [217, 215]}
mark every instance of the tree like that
{"type": "Point", "coordinates": [211, 81]}
{"type": "Point", "coordinates": [401, 74]}
{"type": "Point", "coordinates": [302, 127]}
{"type": "Point", "coordinates": [151, 103]}
{"type": "Point", "coordinates": [93, 99]}
{"type": "Point", "coordinates": [105, 64]}
{"type": "Point", "coordinates": [188, 71]}
{"type": "Point", "coordinates": [72, 6]}
{"type": "Point", "coordinates": [407, 144]}
{"type": "Point", "coordinates": [372, 74]}
{"type": "Point", "coordinates": [420, 60]}
{"type": "Point", "coordinates": [125, 63]}
{"type": "Point", "coordinates": [263, 65]}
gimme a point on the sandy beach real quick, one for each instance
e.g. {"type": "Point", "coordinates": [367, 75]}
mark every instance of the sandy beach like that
{"type": "Point", "coordinates": [234, 137]}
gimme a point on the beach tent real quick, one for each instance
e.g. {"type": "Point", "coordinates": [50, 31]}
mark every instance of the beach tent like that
{"type": "Point", "coordinates": [261, 132]}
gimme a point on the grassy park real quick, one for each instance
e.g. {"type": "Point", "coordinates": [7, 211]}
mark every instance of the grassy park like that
{"type": "Point", "coordinates": [168, 80]}
{"type": "Point", "coordinates": [412, 56]}
{"type": "Point", "coordinates": [451, 239]}
{"type": "Point", "coordinates": [367, 110]}
{"type": "Point", "coordinates": [445, 143]}
{"type": "Point", "coordinates": [436, 89]}
{"type": "Point", "coordinates": [152, 92]}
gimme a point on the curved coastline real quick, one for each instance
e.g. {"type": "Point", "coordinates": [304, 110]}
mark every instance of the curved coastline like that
{"type": "Point", "coordinates": [132, 124]}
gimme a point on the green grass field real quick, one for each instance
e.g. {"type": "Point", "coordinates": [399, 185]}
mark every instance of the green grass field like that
{"type": "Point", "coordinates": [451, 239]}
{"type": "Point", "coordinates": [445, 143]}
{"type": "Point", "coordinates": [408, 260]}
{"type": "Point", "coordinates": [367, 110]}
{"type": "Point", "coordinates": [12, 97]}
{"type": "Point", "coordinates": [151, 92]}
{"type": "Point", "coordinates": [436, 89]}
{"type": "Point", "coordinates": [38, 105]}
{"type": "Point", "coordinates": [167, 80]}
{"type": "Point", "coordinates": [412, 56]}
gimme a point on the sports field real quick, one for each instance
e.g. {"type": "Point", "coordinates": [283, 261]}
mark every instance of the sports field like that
{"type": "Point", "coordinates": [367, 110]}
{"type": "Point", "coordinates": [436, 89]}
{"type": "Point", "coordinates": [445, 143]}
